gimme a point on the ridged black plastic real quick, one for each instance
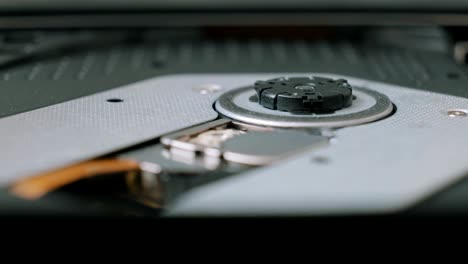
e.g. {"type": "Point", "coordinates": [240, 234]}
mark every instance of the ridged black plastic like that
{"type": "Point", "coordinates": [304, 94]}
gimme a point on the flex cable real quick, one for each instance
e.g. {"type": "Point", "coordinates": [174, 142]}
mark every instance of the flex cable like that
{"type": "Point", "coordinates": [37, 186]}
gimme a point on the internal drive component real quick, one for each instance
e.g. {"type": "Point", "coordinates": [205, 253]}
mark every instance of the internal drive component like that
{"type": "Point", "coordinates": [134, 175]}
{"type": "Point", "coordinates": [304, 102]}
{"type": "Point", "coordinates": [156, 175]}
{"type": "Point", "coordinates": [304, 94]}
{"type": "Point", "coordinates": [234, 142]}
{"type": "Point", "coordinates": [260, 148]}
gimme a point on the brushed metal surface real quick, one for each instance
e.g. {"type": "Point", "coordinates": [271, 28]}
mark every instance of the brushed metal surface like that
{"type": "Point", "coordinates": [378, 167]}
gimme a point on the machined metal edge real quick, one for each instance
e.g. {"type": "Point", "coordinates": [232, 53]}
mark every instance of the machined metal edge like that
{"type": "Point", "coordinates": [225, 106]}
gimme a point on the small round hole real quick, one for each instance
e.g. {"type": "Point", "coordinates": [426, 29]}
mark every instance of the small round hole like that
{"type": "Point", "coordinates": [114, 100]}
{"type": "Point", "coordinates": [453, 75]}
{"type": "Point", "coordinates": [158, 64]}
{"type": "Point", "coordinates": [457, 113]}
{"type": "Point", "coordinates": [321, 160]}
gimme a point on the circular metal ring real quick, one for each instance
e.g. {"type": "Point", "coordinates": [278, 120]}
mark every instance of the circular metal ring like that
{"type": "Point", "coordinates": [236, 105]}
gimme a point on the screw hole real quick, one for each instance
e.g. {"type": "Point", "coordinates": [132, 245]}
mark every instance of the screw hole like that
{"type": "Point", "coordinates": [321, 160]}
{"type": "Point", "coordinates": [114, 100]}
{"type": "Point", "coordinates": [453, 75]}
{"type": "Point", "coordinates": [207, 88]}
{"type": "Point", "coordinates": [158, 64]}
{"type": "Point", "coordinates": [457, 113]}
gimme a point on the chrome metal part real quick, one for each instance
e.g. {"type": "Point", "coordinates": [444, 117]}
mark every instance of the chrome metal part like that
{"type": "Point", "coordinates": [223, 139]}
{"type": "Point", "coordinates": [240, 104]}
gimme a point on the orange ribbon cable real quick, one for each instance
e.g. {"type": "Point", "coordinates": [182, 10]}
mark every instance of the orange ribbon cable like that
{"type": "Point", "coordinates": [37, 186]}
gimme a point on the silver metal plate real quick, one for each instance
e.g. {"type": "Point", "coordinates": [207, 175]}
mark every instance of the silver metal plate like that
{"type": "Point", "coordinates": [85, 128]}
{"type": "Point", "coordinates": [379, 167]}
{"type": "Point", "coordinates": [265, 148]}
{"type": "Point", "coordinates": [382, 166]}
